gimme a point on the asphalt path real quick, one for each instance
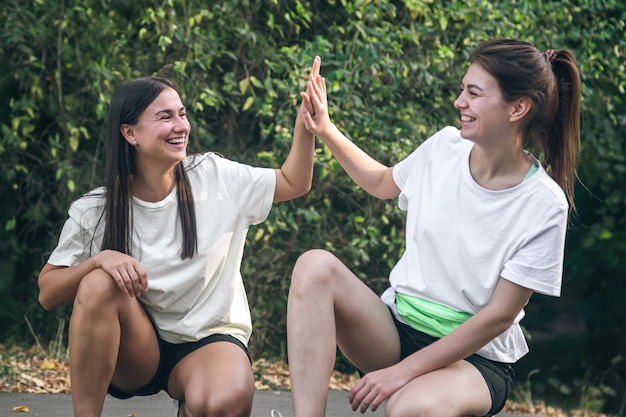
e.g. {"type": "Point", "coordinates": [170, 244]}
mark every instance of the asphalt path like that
{"type": "Point", "coordinates": [161, 405]}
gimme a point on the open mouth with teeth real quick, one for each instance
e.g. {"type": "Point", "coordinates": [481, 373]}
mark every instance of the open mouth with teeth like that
{"type": "Point", "coordinates": [467, 119]}
{"type": "Point", "coordinates": [176, 141]}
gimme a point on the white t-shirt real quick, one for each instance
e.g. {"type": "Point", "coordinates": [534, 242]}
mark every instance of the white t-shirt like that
{"type": "Point", "coordinates": [192, 298]}
{"type": "Point", "coordinates": [461, 238]}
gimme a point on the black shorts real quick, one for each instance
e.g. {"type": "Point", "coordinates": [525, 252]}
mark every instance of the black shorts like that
{"type": "Point", "coordinates": [499, 376]}
{"type": "Point", "coordinates": [170, 355]}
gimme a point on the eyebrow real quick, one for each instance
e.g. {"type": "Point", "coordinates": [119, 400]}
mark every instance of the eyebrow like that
{"type": "Point", "coordinates": [168, 111]}
{"type": "Point", "coordinates": [473, 86]}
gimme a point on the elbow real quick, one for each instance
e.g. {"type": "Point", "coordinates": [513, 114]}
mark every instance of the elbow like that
{"type": "Point", "coordinates": [502, 323]}
{"type": "Point", "coordinates": [503, 326]}
{"type": "Point", "coordinates": [45, 303]}
{"type": "Point", "coordinates": [47, 300]}
{"type": "Point", "coordinates": [44, 297]}
{"type": "Point", "coordinates": [300, 190]}
{"type": "Point", "coordinates": [304, 189]}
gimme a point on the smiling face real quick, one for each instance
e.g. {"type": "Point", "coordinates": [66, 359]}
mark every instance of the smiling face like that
{"type": "Point", "coordinates": [485, 116]}
{"type": "Point", "coordinates": [161, 134]}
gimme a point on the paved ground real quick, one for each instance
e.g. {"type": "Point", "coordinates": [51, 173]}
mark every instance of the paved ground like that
{"type": "Point", "coordinates": [161, 405]}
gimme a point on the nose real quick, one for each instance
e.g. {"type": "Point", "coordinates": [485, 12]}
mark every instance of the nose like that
{"type": "Point", "coordinates": [460, 102]}
{"type": "Point", "coordinates": [182, 124]}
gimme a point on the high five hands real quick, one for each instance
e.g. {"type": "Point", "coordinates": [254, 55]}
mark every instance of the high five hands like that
{"type": "Point", "coordinates": [314, 109]}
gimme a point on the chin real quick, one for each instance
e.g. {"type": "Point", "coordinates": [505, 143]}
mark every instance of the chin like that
{"type": "Point", "coordinates": [466, 136]}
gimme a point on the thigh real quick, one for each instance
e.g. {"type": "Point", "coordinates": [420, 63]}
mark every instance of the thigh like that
{"type": "Point", "coordinates": [139, 353]}
{"type": "Point", "coordinates": [366, 333]}
{"type": "Point", "coordinates": [214, 377]}
{"type": "Point", "coordinates": [456, 390]}
{"type": "Point", "coordinates": [127, 323]}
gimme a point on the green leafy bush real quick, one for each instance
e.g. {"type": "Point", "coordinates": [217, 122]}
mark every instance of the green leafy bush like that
{"type": "Point", "coordinates": [393, 69]}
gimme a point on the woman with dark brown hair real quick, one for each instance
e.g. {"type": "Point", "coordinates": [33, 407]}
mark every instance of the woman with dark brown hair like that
{"type": "Point", "coordinates": [151, 260]}
{"type": "Point", "coordinates": [485, 228]}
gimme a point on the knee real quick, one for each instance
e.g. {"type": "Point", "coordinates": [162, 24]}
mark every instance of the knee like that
{"type": "Point", "coordinates": [314, 268]}
{"type": "Point", "coordinates": [412, 407]}
{"type": "Point", "coordinates": [233, 402]}
{"type": "Point", "coordinates": [95, 290]}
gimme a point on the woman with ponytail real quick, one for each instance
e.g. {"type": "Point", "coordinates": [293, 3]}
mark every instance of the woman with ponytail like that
{"type": "Point", "coordinates": [485, 229]}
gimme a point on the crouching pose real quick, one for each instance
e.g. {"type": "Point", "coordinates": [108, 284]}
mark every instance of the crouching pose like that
{"type": "Point", "coordinates": [151, 260]}
{"type": "Point", "coordinates": [485, 228]}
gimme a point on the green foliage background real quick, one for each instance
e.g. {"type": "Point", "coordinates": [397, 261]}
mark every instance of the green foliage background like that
{"type": "Point", "coordinates": [393, 69]}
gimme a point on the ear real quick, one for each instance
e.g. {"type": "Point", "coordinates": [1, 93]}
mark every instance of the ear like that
{"type": "Point", "coordinates": [129, 134]}
{"type": "Point", "coordinates": [520, 108]}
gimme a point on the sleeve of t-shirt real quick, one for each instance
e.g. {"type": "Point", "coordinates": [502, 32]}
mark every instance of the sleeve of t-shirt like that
{"type": "Point", "coordinates": [412, 168]}
{"type": "Point", "coordinates": [76, 240]}
{"type": "Point", "coordinates": [250, 188]}
{"type": "Point", "coordinates": [538, 264]}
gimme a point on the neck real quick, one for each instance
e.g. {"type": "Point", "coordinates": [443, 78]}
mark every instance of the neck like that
{"type": "Point", "coordinates": [498, 169]}
{"type": "Point", "coordinates": [153, 187]}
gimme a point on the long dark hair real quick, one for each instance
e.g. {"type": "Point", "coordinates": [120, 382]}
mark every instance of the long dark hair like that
{"type": "Point", "coordinates": [550, 79]}
{"type": "Point", "coordinates": [127, 104]}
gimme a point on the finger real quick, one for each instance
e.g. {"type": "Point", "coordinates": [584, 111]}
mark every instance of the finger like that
{"type": "Point", "coordinates": [358, 397]}
{"type": "Point", "coordinates": [121, 282]}
{"type": "Point", "coordinates": [130, 283]}
{"type": "Point", "coordinates": [315, 70]}
{"type": "Point", "coordinates": [374, 405]}
{"type": "Point", "coordinates": [307, 119]}
{"type": "Point", "coordinates": [368, 401]}
{"type": "Point", "coordinates": [306, 101]}
{"type": "Point", "coordinates": [129, 276]}
{"type": "Point", "coordinates": [135, 282]}
{"type": "Point", "coordinates": [143, 277]}
{"type": "Point", "coordinates": [316, 100]}
{"type": "Point", "coordinates": [319, 89]}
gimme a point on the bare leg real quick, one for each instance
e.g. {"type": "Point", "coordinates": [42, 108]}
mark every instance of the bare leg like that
{"type": "Point", "coordinates": [215, 380]}
{"type": "Point", "coordinates": [101, 317]}
{"type": "Point", "coordinates": [456, 390]}
{"type": "Point", "coordinates": [329, 306]}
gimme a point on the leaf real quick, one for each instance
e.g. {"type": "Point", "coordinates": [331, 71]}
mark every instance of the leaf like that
{"type": "Point", "coordinates": [244, 83]}
{"type": "Point", "coordinates": [20, 409]}
{"type": "Point", "coordinates": [248, 103]}
{"type": "Point", "coordinates": [48, 365]}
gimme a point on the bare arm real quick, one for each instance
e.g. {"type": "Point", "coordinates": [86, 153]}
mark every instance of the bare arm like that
{"type": "Point", "coordinates": [507, 301]}
{"type": "Point", "coordinates": [369, 174]}
{"type": "Point", "coordinates": [504, 306]}
{"type": "Point", "coordinates": [294, 177]}
{"type": "Point", "coordinates": [58, 284]}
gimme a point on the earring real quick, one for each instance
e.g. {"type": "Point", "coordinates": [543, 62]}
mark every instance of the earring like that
{"type": "Point", "coordinates": [135, 143]}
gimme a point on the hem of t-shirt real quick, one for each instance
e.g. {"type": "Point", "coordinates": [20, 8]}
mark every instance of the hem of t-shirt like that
{"type": "Point", "coordinates": [52, 260]}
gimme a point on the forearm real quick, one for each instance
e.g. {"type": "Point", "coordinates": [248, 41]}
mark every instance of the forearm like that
{"type": "Point", "coordinates": [369, 174]}
{"type": "Point", "coordinates": [58, 285]}
{"type": "Point", "coordinates": [464, 341]}
{"type": "Point", "coordinates": [297, 170]}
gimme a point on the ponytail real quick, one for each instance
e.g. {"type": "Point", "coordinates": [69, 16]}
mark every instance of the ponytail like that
{"type": "Point", "coordinates": [561, 145]}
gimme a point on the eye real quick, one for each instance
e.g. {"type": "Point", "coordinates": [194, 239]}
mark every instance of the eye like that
{"type": "Point", "coordinates": [183, 114]}
{"type": "Point", "coordinates": [164, 117]}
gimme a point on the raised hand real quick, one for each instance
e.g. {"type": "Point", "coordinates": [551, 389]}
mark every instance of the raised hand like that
{"type": "Point", "coordinates": [315, 72]}
{"type": "Point", "coordinates": [314, 107]}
